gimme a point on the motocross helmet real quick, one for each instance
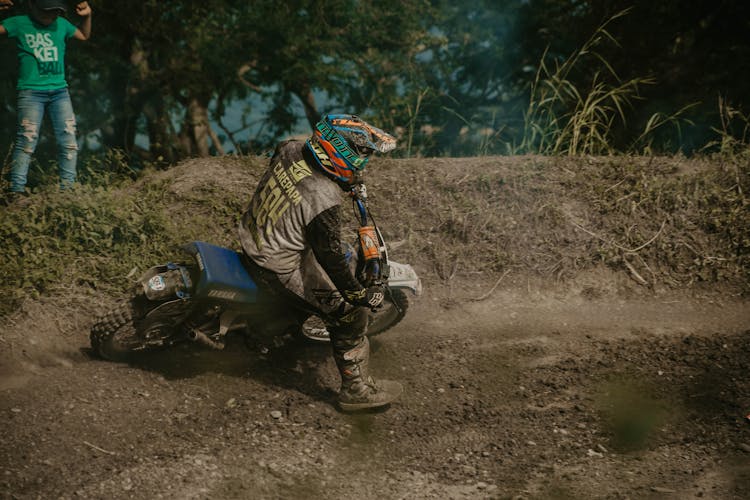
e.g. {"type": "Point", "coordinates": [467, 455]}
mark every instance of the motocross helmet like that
{"type": "Point", "coordinates": [347, 141]}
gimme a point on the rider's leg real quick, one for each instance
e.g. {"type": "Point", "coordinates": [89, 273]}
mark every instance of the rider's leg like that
{"type": "Point", "coordinates": [278, 286]}
{"type": "Point", "coordinates": [30, 109]}
{"type": "Point", "coordinates": [351, 351]}
{"type": "Point", "coordinates": [64, 124]}
{"type": "Point", "coordinates": [347, 325]}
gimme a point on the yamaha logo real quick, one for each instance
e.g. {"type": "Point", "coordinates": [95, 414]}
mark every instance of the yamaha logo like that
{"type": "Point", "coordinates": [222, 294]}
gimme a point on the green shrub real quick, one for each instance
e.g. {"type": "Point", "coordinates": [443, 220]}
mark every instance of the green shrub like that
{"type": "Point", "coordinates": [87, 235]}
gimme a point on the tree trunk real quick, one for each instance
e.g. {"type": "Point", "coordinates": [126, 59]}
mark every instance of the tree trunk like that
{"type": "Point", "coordinates": [146, 97]}
{"type": "Point", "coordinates": [216, 141]}
{"type": "Point", "coordinates": [162, 142]}
{"type": "Point", "coordinates": [119, 131]}
{"type": "Point", "coordinates": [308, 101]}
{"type": "Point", "coordinates": [196, 129]}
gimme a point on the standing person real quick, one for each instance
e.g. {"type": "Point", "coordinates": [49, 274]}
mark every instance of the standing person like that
{"type": "Point", "coordinates": [291, 234]}
{"type": "Point", "coordinates": [40, 41]}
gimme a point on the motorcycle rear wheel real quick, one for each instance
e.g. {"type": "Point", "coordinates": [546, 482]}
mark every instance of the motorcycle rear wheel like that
{"type": "Point", "coordinates": [114, 335]}
{"type": "Point", "coordinates": [130, 327]}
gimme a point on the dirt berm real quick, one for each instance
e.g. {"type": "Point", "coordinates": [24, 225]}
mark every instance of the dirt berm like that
{"type": "Point", "coordinates": [584, 332]}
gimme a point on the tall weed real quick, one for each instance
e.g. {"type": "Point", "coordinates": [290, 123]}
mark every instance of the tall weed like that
{"type": "Point", "coordinates": [564, 119]}
{"type": "Point", "coordinates": [734, 132]}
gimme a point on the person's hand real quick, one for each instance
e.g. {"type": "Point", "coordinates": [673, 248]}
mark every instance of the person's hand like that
{"type": "Point", "coordinates": [83, 9]}
{"type": "Point", "coordinates": [6, 4]}
{"type": "Point", "coordinates": [371, 297]}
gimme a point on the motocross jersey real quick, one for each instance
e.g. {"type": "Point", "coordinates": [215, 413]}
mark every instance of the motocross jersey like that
{"type": "Point", "coordinates": [296, 210]}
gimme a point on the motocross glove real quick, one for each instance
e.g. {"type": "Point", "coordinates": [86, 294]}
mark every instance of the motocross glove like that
{"type": "Point", "coordinates": [371, 297]}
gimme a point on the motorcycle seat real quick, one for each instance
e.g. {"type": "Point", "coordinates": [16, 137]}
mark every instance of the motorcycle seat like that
{"type": "Point", "coordinates": [223, 276]}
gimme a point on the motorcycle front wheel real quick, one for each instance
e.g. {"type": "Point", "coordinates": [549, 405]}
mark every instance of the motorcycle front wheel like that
{"type": "Point", "coordinates": [389, 315]}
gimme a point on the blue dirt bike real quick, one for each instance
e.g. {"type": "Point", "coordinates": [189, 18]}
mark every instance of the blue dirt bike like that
{"type": "Point", "coordinates": [210, 295]}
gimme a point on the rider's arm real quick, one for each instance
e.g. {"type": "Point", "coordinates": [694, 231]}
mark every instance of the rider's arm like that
{"type": "Point", "coordinates": [324, 235]}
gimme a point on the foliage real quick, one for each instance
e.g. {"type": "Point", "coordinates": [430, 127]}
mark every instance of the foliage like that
{"type": "Point", "coordinates": [189, 78]}
{"type": "Point", "coordinates": [461, 89]}
{"type": "Point", "coordinates": [182, 64]}
{"type": "Point", "coordinates": [98, 235]}
{"type": "Point", "coordinates": [694, 224]}
{"type": "Point", "coordinates": [85, 235]}
{"type": "Point", "coordinates": [734, 133]}
{"type": "Point", "coordinates": [664, 222]}
{"type": "Point", "coordinates": [563, 117]}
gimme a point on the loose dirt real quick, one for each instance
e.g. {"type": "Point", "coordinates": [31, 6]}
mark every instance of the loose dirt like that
{"type": "Point", "coordinates": [585, 388]}
{"type": "Point", "coordinates": [517, 396]}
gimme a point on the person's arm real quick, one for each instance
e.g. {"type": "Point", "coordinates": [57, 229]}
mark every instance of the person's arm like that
{"type": "Point", "coordinates": [5, 5]}
{"type": "Point", "coordinates": [83, 32]}
{"type": "Point", "coordinates": [324, 235]}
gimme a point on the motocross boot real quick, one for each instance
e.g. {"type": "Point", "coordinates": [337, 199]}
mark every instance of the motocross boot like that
{"type": "Point", "coordinates": [359, 391]}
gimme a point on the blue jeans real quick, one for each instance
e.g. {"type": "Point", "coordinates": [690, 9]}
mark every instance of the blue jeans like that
{"type": "Point", "coordinates": [31, 107]}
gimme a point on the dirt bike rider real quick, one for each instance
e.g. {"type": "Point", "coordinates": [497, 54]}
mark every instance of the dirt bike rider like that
{"type": "Point", "coordinates": [291, 234]}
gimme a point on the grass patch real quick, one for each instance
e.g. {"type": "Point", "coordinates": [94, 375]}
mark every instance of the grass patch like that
{"type": "Point", "coordinates": [671, 223]}
{"type": "Point", "coordinates": [102, 234]}
{"type": "Point", "coordinates": [86, 236]}
{"type": "Point", "coordinates": [665, 222]}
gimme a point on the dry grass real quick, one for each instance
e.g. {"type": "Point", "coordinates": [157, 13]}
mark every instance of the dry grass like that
{"type": "Point", "coordinates": [661, 222]}
{"type": "Point", "coordinates": [664, 222]}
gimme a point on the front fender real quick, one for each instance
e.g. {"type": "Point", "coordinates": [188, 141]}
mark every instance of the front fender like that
{"type": "Point", "coordinates": [404, 276]}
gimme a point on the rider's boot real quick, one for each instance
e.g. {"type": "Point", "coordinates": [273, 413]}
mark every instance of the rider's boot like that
{"type": "Point", "coordinates": [359, 391]}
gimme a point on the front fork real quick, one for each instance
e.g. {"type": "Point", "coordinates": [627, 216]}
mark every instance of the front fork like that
{"type": "Point", "coordinates": [372, 246]}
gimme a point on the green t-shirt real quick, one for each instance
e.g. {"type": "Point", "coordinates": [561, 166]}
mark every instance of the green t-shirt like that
{"type": "Point", "coordinates": [41, 51]}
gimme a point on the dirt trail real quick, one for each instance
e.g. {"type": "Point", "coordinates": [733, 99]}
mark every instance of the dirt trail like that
{"type": "Point", "coordinates": [517, 396]}
{"type": "Point", "coordinates": [573, 379]}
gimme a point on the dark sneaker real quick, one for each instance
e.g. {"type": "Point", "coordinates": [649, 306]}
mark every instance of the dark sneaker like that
{"type": "Point", "coordinates": [370, 394]}
{"type": "Point", "coordinates": [16, 199]}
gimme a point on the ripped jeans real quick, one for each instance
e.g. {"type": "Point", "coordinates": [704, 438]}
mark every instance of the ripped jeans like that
{"type": "Point", "coordinates": [31, 107]}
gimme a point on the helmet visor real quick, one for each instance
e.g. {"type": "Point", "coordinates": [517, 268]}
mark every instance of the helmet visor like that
{"type": "Point", "coordinates": [361, 134]}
